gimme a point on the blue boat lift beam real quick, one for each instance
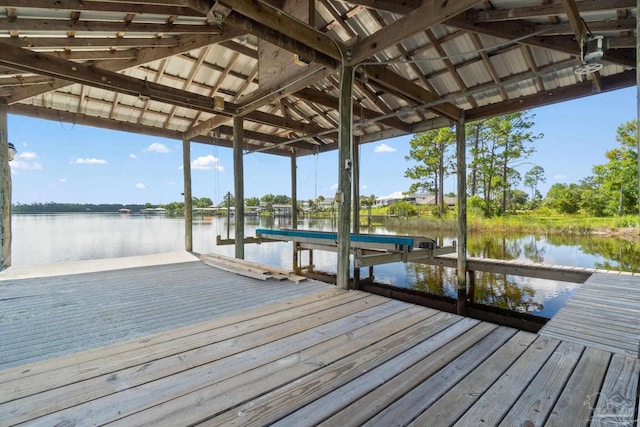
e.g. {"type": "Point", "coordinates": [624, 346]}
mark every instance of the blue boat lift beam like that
{"type": "Point", "coordinates": [367, 249]}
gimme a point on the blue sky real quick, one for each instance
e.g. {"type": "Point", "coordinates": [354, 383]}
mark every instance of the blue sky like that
{"type": "Point", "coordinates": [61, 162]}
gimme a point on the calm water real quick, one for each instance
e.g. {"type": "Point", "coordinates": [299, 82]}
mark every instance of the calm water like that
{"type": "Point", "coordinates": [46, 239]}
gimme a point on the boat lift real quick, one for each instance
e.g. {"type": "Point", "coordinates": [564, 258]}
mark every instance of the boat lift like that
{"type": "Point", "coordinates": [367, 249]}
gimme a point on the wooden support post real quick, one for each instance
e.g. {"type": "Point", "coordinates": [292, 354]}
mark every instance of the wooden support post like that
{"type": "Point", "coordinates": [355, 157]}
{"type": "Point", "coordinates": [5, 187]}
{"type": "Point", "coordinates": [462, 217]}
{"type": "Point", "coordinates": [294, 208]}
{"type": "Point", "coordinates": [343, 196]}
{"type": "Point", "coordinates": [238, 174]}
{"type": "Point", "coordinates": [638, 100]}
{"type": "Point", "coordinates": [188, 200]}
{"type": "Point", "coordinates": [461, 161]}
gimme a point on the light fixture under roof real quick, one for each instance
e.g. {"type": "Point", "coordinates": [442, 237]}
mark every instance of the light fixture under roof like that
{"type": "Point", "coordinates": [591, 51]}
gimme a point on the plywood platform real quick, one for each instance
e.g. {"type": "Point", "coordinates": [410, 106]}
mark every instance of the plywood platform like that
{"type": "Point", "coordinates": [603, 313]}
{"type": "Point", "coordinates": [334, 358]}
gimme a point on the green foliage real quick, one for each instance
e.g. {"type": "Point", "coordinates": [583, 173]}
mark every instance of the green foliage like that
{"type": "Point", "coordinates": [497, 146]}
{"type": "Point", "coordinates": [252, 201]}
{"type": "Point", "coordinates": [367, 200]}
{"type": "Point", "coordinates": [433, 152]}
{"type": "Point", "coordinates": [532, 179]}
{"type": "Point", "coordinates": [477, 206]}
{"type": "Point", "coordinates": [618, 178]}
{"type": "Point", "coordinates": [402, 208]}
{"type": "Point", "coordinates": [203, 202]}
{"type": "Point", "coordinates": [564, 198]}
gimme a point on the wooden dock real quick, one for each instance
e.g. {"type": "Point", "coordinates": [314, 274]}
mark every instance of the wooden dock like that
{"type": "Point", "coordinates": [603, 313]}
{"type": "Point", "coordinates": [324, 357]}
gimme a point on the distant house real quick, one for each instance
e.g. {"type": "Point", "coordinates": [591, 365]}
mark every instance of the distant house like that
{"type": "Point", "coordinates": [415, 199]}
{"type": "Point", "coordinates": [326, 204]}
{"type": "Point", "coordinates": [430, 199]}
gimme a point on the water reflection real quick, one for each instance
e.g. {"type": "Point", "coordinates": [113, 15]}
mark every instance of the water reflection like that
{"type": "Point", "coordinates": [45, 239]}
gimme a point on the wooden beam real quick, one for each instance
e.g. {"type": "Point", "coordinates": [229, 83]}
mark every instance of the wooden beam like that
{"type": "Point", "coordinates": [29, 25]}
{"type": "Point", "coordinates": [205, 126]}
{"type": "Point", "coordinates": [184, 44]}
{"type": "Point", "coordinates": [279, 39]}
{"type": "Point", "coordinates": [402, 7]}
{"type": "Point", "coordinates": [238, 179]}
{"type": "Point", "coordinates": [461, 265]}
{"type": "Point", "coordinates": [396, 82]}
{"type": "Point", "coordinates": [91, 42]}
{"type": "Point", "coordinates": [329, 101]}
{"type": "Point", "coordinates": [519, 29]}
{"type": "Point", "coordinates": [607, 25]}
{"type": "Point", "coordinates": [544, 10]}
{"type": "Point", "coordinates": [5, 189]}
{"type": "Point", "coordinates": [200, 6]}
{"type": "Point", "coordinates": [188, 201]}
{"type": "Point", "coordinates": [278, 90]}
{"type": "Point", "coordinates": [285, 24]}
{"type": "Point", "coordinates": [101, 6]}
{"type": "Point", "coordinates": [431, 13]}
{"type": "Point", "coordinates": [283, 123]}
{"type": "Point", "coordinates": [48, 65]}
{"type": "Point", "coordinates": [279, 146]}
{"type": "Point", "coordinates": [344, 177]}
{"type": "Point", "coordinates": [618, 81]}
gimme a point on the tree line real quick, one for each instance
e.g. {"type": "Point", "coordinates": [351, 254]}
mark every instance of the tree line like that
{"type": "Point", "coordinates": [497, 146]}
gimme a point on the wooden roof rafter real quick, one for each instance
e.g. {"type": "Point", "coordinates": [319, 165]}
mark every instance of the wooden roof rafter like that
{"type": "Point", "coordinates": [513, 49]}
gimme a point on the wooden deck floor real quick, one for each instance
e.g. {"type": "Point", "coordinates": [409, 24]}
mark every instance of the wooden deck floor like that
{"type": "Point", "coordinates": [603, 313]}
{"type": "Point", "coordinates": [44, 317]}
{"type": "Point", "coordinates": [333, 358]}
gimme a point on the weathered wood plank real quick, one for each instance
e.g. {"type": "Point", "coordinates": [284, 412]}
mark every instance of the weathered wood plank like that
{"type": "Point", "coordinates": [90, 310]}
{"type": "Point", "coordinates": [463, 395]}
{"type": "Point", "coordinates": [619, 393]}
{"type": "Point", "coordinates": [419, 388]}
{"type": "Point", "coordinates": [537, 401]}
{"type": "Point", "coordinates": [603, 313]}
{"type": "Point", "coordinates": [268, 378]}
{"type": "Point", "coordinates": [495, 403]}
{"type": "Point", "coordinates": [445, 344]}
{"type": "Point", "coordinates": [92, 362]}
{"type": "Point", "coordinates": [130, 400]}
{"type": "Point", "coordinates": [574, 312]}
{"type": "Point", "coordinates": [588, 341]}
{"type": "Point", "coordinates": [597, 332]}
{"type": "Point", "coordinates": [268, 408]}
{"type": "Point", "coordinates": [149, 363]}
{"type": "Point", "coordinates": [573, 405]}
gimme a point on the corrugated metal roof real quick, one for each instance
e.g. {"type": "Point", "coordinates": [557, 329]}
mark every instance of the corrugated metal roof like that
{"type": "Point", "coordinates": [469, 59]}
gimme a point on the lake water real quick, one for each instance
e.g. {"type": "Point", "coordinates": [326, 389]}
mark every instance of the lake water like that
{"type": "Point", "coordinates": [46, 239]}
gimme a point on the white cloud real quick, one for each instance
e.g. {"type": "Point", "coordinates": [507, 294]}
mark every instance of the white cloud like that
{"type": "Point", "coordinates": [140, 186]}
{"type": "Point", "coordinates": [334, 187]}
{"type": "Point", "coordinates": [90, 161]}
{"type": "Point", "coordinates": [63, 180]}
{"type": "Point", "coordinates": [25, 161]}
{"type": "Point", "coordinates": [559, 177]}
{"type": "Point", "coordinates": [207, 163]}
{"type": "Point", "coordinates": [133, 156]}
{"type": "Point", "coordinates": [18, 164]}
{"type": "Point", "coordinates": [28, 155]}
{"type": "Point", "coordinates": [158, 148]}
{"type": "Point", "coordinates": [384, 148]}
